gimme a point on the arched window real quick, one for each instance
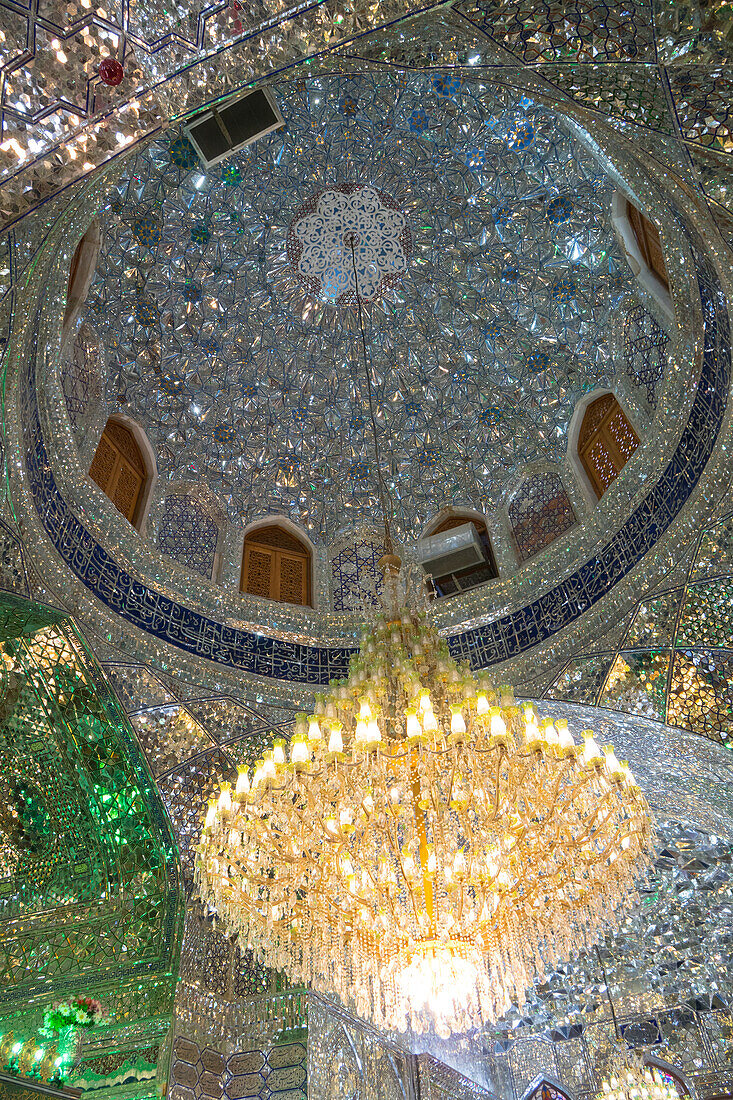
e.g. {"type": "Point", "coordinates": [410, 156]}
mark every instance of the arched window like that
{"type": "Point", "coordinates": [276, 565]}
{"type": "Point", "coordinates": [639, 238]}
{"type": "Point", "coordinates": [606, 442]}
{"type": "Point", "coordinates": [189, 533]}
{"type": "Point", "coordinates": [448, 583]}
{"type": "Point", "coordinates": [119, 470]}
{"type": "Point", "coordinates": [539, 512]}
{"type": "Point", "coordinates": [650, 246]}
{"type": "Point", "coordinates": [81, 271]}
{"type": "Point", "coordinates": [543, 1089]}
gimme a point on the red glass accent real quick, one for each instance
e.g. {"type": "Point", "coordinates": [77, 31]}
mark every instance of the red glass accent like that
{"type": "Point", "coordinates": [111, 72]}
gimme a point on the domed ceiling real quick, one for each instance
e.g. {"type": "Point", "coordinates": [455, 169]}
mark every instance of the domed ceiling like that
{"type": "Point", "coordinates": [478, 228]}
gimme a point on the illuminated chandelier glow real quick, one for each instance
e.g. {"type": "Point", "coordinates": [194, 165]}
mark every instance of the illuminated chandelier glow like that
{"type": "Point", "coordinates": [424, 850]}
{"type": "Point", "coordinates": [631, 1079]}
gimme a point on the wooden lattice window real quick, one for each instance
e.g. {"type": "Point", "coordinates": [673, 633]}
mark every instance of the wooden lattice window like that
{"type": "Point", "coordinates": [606, 442]}
{"type": "Point", "coordinates": [474, 574]}
{"type": "Point", "coordinates": [650, 246]}
{"type": "Point", "coordinates": [276, 565]}
{"type": "Point", "coordinates": [119, 469]}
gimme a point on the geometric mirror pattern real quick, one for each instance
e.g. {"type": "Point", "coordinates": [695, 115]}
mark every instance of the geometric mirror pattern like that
{"type": "Point", "coordinates": [90, 892]}
{"type": "Point", "coordinates": [497, 277]}
{"type": "Point", "coordinates": [538, 513]}
{"type": "Point", "coordinates": [659, 75]}
{"type": "Point", "coordinates": [675, 663]}
{"type": "Point", "coordinates": [188, 533]}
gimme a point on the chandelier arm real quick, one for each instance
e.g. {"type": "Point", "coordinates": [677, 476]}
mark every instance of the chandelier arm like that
{"type": "Point", "coordinates": [584, 837]}
{"type": "Point", "coordinates": [497, 781]}
{"type": "Point", "coordinates": [419, 815]}
{"type": "Point", "coordinates": [561, 773]}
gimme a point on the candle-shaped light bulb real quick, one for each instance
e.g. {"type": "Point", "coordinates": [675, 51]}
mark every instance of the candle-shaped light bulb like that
{"type": "Point", "coordinates": [314, 730]}
{"type": "Point", "coordinates": [299, 753]}
{"type": "Point", "coordinates": [373, 732]}
{"type": "Point", "coordinates": [413, 728]}
{"type": "Point", "coordinates": [335, 741]}
{"type": "Point", "coordinates": [429, 721]}
{"type": "Point", "coordinates": [482, 703]}
{"type": "Point", "coordinates": [243, 781]}
{"type": "Point", "coordinates": [550, 735]}
{"type": "Point", "coordinates": [457, 721]}
{"type": "Point", "coordinates": [497, 725]}
{"type": "Point", "coordinates": [532, 736]}
{"type": "Point", "coordinates": [613, 766]}
{"type": "Point", "coordinates": [567, 745]}
{"type": "Point", "coordinates": [628, 775]}
{"type": "Point", "coordinates": [592, 754]}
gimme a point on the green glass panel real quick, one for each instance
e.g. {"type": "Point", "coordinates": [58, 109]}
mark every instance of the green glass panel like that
{"type": "Point", "coordinates": [707, 615]}
{"type": "Point", "coordinates": [90, 891]}
{"type": "Point", "coordinates": [581, 680]}
{"type": "Point", "coordinates": [637, 683]}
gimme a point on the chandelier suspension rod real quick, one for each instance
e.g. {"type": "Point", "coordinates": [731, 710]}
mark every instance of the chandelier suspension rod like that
{"type": "Point", "coordinates": [608, 994]}
{"type": "Point", "coordinates": [381, 489]}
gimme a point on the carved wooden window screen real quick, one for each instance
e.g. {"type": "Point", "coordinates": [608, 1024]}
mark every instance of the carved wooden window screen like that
{"type": "Point", "coordinates": [118, 468]}
{"type": "Point", "coordinates": [277, 566]}
{"type": "Point", "coordinates": [650, 246]}
{"type": "Point", "coordinates": [606, 442]}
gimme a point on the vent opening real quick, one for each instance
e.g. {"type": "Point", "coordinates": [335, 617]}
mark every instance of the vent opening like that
{"type": "Point", "coordinates": [221, 131]}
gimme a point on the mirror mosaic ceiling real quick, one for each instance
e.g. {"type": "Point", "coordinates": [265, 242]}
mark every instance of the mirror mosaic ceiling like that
{"type": "Point", "coordinates": [486, 259]}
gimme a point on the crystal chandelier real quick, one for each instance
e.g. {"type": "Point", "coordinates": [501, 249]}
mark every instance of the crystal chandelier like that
{"type": "Point", "coordinates": [423, 848]}
{"type": "Point", "coordinates": [629, 1077]}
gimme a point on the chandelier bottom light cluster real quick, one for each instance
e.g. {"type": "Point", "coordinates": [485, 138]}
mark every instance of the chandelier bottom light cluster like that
{"type": "Point", "coordinates": [423, 848]}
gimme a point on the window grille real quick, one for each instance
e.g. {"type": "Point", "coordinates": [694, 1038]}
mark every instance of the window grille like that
{"type": "Point", "coordinates": [276, 565]}
{"type": "Point", "coordinates": [650, 246]}
{"type": "Point", "coordinates": [606, 442]}
{"type": "Point", "coordinates": [118, 468]}
{"type": "Point", "coordinates": [540, 511]}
